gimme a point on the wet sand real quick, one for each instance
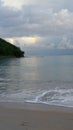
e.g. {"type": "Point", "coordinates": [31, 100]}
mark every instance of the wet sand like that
{"type": "Point", "coordinates": [27, 116]}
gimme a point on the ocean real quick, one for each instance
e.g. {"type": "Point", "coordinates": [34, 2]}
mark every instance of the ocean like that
{"type": "Point", "coordinates": [43, 79]}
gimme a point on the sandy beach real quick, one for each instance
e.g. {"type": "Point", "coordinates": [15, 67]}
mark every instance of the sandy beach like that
{"type": "Point", "coordinates": [15, 116]}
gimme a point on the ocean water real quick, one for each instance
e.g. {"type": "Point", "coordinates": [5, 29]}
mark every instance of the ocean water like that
{"type": "Point", "coordinates": [47, 80]}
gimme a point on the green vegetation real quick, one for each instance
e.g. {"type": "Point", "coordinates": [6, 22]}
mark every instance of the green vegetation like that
{"type": "Point", "coordinates": [9, 50]}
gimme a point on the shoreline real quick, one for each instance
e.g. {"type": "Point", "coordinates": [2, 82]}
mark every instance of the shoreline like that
{"type": "Point", "coordinates": [34, 106]}
{"type": "Point", "coordinates": [29, 116]}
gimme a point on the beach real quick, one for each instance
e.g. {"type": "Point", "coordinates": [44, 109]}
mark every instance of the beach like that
{"type": "Point", "coordinates": [36, 93]}
{"type": "Point", "coordinates": [27, 116]}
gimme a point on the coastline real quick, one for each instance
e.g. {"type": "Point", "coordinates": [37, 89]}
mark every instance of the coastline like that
{"type": "Point", "coordinates": [29, 116]}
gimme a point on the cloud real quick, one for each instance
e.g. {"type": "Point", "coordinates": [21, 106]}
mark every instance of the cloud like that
{"type": "Point", "coordinates": [30, 22]}
{"type": "Point", "coordinates": [46, 24]}
{"type": "Point", "coordinates": [56, 5]}
{"type": "Point", "coordinates": [14, 4]}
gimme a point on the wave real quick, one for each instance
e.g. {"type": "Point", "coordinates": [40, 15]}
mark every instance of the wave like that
{"type": "Point", "coordinates": [59, 97]}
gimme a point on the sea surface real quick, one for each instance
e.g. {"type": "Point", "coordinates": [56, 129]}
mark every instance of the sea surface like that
{"type": "Point", "coordinates": [47, 80]}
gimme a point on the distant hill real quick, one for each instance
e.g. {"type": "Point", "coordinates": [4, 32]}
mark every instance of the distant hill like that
{"type": "Point", "coordinates": [9, 50]}
{"type": "Point", "coordinates": [42, 51]}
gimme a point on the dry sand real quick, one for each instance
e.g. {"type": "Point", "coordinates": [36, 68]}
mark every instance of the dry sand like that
{"type": "Point", "coordinates": [15, 116]}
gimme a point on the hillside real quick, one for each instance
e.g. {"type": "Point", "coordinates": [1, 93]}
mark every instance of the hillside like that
{"type": "Point", "coordinates": [9, 50]}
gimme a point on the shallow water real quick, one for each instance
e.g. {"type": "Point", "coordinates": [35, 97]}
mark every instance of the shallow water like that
{"type": "Point", "coordinates": [47, 80]}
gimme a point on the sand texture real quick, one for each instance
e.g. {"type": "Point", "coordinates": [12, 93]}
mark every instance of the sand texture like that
{"type": "Point", "coordinates": [35, 119]}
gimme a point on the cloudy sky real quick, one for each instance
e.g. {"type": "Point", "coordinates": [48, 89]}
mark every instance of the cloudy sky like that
{"type": "Point", "coordinates": [37, 24]}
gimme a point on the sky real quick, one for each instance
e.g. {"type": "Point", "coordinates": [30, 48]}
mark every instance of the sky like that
{"type": "Point", "coordinates": [37, 24]}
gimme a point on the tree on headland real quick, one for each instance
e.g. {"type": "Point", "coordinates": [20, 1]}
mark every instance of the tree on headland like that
{"type": "Point", "coordinates": [9, 50]}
